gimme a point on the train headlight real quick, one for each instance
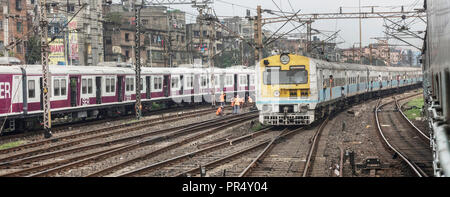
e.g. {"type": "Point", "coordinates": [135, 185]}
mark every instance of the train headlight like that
{"type": "Point", "coordinates": [276, 93]}
{"type": "Point", "coordinates": [285, 59]}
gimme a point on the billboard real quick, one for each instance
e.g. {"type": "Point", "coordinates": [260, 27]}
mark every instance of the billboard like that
{"type": "Point", "coordinates": [73, 41]}
{"type": "Point", "coordinates": [56, 54]}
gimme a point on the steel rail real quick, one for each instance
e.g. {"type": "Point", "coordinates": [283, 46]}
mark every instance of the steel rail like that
{"type": "Point", "coordinates": [422, 134]}
{"type": "Point", "coordinates": [416, 169]}
{"type": "Point", "coordinates": [312, 149]}
{"type": "Point", "coordinates": [180, 129]}
{"type": "Point", "coordinates": [85, 159]}
{"type": "Point", "coordinates": [138, 124]}
{"type": "Point", "coordinates": [188, 155]}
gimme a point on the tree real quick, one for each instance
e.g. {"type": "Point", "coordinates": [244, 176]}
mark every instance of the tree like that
{"type": "Point", "coordinates": [33, 54]}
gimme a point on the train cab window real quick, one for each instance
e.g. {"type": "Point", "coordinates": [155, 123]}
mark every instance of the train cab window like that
{"type": "Point", "coordinates": [31, 89]}
{"type": "Point", "coordinates": [242, 80]}
{"type": "Point", "coordinates": [63, 87]}
{"type": "Point", "coordinates": [89, 86]}
{"type": "Point", "coordinates": [84, 86]}
{"type": "Point", "coordinates": [56, 88]}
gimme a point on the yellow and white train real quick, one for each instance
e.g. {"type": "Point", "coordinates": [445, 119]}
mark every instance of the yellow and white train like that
{"type": "Point", "coordinates": [297, 90]}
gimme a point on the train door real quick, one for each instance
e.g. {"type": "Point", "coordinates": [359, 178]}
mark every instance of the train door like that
{"type": "Point", "coordinates": [247, 91]}
{"type": "Point", "coordinates": [357, 84]}
{"type": "Point", "coordinates": [74, 91]}
{"type": "Point", "coordinates": [166, 85]}
{"type": "Point", "coordinates": [236, 86]}
{"type": "Point", "coordinates": [120, 91]}
{"type": "Point", "coordinates": [148, 87]}
{"type": "Point", "coordinates": [196, 87]}
{"type": "Point", "coordinates": [222, 82]}
{"type": "Point", "coordinates": [42, 93]}
{"type": "Point", "coordinates": [181, 84]}
{"type": "Point", "coordinates": [98, 90]}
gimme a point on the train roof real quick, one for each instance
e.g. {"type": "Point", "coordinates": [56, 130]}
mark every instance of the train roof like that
{"type": "Point", "coordinates": [105, 70]}
{"type": "Point", "coordinates": [349, 66]}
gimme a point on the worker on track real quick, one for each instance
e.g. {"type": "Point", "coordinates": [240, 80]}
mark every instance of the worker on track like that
{"type": "Point", "coordinates": [222, 99]}
{"type": "Point", "coordinates": [237, 104]}
{"type": "Point", "coordinates": [250, 102]}
{"type": "Point", "coordinates": [219, 111]}
{"type": "Point", "coordinates": [232, 104]}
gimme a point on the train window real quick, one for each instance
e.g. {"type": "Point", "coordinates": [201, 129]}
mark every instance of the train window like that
{"type": "Point", "coordinates": [113, 85]}
{"type": "Point", "coordinates": [127, 84]}
{"type": "Point", "coordinates": [157, 83]}
{"type": "Point", "coordinates": [274, 77]}
{"type": "Point", "coordinates": [216, 80]}
{"type": "Point", "coordinates": [203, 81]}
{"type": "Point", "coordinates": [84, 86]}
{"type": "Point", "coordinates": [31, 89]}
{"type": "Point", "coordinates": [189, 81]}
{"type": "Point", "coordinates": [108, 85]}
{"type": "Point", "coordinates": [56, 87]}
{"type": "Point", "coordinates": [175, 82]}
{"type": "Point", "coordinates": [63, 87]}
{"type": "Point", "coordinates": [252, 80]}
{"type": "Point", "coordinates": [89, 86]}
{"type": "Point", "coordinates": [229, 80]}
{"type": "Point", "coordinates": [141, 84]}
{"type": "Point", "coordinates": [131, 84]}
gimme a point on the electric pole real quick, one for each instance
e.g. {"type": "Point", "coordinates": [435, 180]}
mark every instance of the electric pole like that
{"type": "Point", "coordinates": [258, 36]}
{"type": "Point", "coordinates": [45, 70]}
{"type": "Point", "coordinates": [137, 40]}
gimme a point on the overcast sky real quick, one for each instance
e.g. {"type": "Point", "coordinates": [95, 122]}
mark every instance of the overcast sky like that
{"type": "Point", "coordinates": [349, 33]}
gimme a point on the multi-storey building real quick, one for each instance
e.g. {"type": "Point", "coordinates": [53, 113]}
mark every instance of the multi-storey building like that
{"type": "Point", "coordinates": [13, 28]}
{"type": "Point", "coordinates": [82, 37]}
{"type": "Point", "coordinates": [163, 35]}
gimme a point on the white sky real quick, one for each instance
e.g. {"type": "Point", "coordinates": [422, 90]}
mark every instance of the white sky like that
{"type": "Point", "coordinates": [349, 33]}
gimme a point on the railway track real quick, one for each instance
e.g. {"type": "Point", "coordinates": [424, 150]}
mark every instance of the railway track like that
{"type": "Point", "coordinates": [402, 138]}
{"type": "Point", "coordinates": [121, 146]}
{"type": "Point", "coordinates": [65, 127]}
{"type": "Point", "coordinates": [71, 139]}
{"type": "Point", "coordinates": [191, 163]}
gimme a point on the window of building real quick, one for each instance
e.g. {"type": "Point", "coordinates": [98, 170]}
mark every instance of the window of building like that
{"type": "Point", "coordinates": [197, 33]}
{"type": "Point", "coordinates": [31, 89]}
{"type": "Point", "coordinates": [18, 4]}
{"type": "Point", "coordinates": [19, 47]}
{"type": "Point", "coordinates": [71, 8]}
{"type": "Point", "coordinates": [127, 37]}
{"type": "Point", "coordinates": [19, 27]}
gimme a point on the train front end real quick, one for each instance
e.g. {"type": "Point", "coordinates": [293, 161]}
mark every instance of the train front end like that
{"type": "Point", "coordinates": [284, 95]}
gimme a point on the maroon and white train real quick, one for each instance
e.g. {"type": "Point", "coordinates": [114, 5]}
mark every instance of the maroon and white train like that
{"type": "Point", "coordinates": [94, 91]}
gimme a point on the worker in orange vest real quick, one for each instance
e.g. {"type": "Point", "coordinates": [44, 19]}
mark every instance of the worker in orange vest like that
{"type": "Point", "coordinates": [222, 99]}
{"type": "Point", "coordinates": [237, 103]}
{"type": "Point", "coordinates": [250, 101]}
{"type": "Point", "coordinates": [219, 111]}
{"type": "Point", "coordinates": [233, 104]}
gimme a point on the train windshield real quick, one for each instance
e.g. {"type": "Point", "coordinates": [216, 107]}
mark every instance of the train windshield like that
{"type": "Point", "coordinates": [277, 77]}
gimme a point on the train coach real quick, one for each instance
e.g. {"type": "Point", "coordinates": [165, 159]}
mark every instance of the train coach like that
{"type": "Point", "coordinates": [80, 92]}
{"type": "Point", "coordinates": [297, 90]}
